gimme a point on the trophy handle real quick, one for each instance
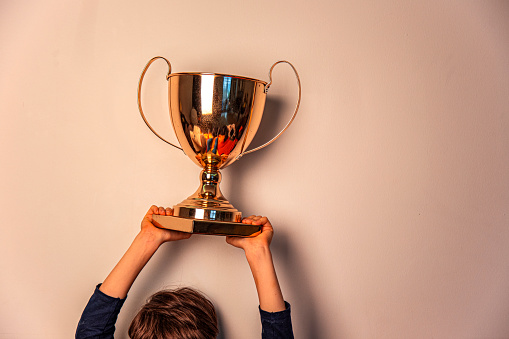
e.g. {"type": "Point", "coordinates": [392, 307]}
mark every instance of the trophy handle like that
{"type": "Point", "coordinates": [139, 96]}
{"type": "Point", "coordinates": [293, 116]}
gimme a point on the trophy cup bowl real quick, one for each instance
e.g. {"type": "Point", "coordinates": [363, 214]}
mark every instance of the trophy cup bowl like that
{"type": "Point", "coordinates": [215, 117]}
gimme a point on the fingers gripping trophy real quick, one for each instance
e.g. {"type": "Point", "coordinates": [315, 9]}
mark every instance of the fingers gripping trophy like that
{"type": "Point", "coordinates": [215, 117]}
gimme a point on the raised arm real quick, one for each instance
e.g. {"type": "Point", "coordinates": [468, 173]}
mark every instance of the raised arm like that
{"type": "Point", "coordinates": [100, 314]}
{"type": "Point", "coordinates": [259, 257]}
{"type": "Point", "coordinates": [146, 243]}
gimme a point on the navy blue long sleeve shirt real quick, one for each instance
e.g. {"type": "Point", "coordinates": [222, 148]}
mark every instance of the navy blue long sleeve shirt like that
{"type": "Point", "coordinates": [100, 315]}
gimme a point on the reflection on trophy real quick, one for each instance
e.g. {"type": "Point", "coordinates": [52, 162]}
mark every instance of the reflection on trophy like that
{"type": "Point", "coordinates": [215, 117]}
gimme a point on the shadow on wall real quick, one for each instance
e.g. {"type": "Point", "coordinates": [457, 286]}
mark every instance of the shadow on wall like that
{"type": "Point", "coordinates": [222, 331]}
{"type": "Point", "coordinates": [288, 258]}
{"type": "Point", "coordinates": [287, 261]}
{"type": "Point", "coordinates": [284, 252]}
{"type": "Point", "coordinates": [273, 121]}
{"type": "Point", "coordinates": [270, 126]}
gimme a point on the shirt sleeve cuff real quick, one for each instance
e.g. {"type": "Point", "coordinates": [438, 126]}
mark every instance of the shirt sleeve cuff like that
{"type": "Point", "coordinates": [276, 316]}
{"type": "Point", "coordinates": [103, 296]}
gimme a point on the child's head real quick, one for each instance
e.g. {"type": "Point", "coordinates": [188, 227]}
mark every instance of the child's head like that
{"type": "Point", "coordinates": [180, 313]}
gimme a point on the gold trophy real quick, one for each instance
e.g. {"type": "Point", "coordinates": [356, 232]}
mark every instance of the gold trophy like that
{"type": "Point", "coordinates": [215, 117]}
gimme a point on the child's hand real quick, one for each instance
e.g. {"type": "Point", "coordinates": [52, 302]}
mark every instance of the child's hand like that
{"type": "Point", "coordinates": [260, 242]}
{"type": "Point", "coordinates": [144, 245]}
{"type": "Point", "coordinates": [160, 235]}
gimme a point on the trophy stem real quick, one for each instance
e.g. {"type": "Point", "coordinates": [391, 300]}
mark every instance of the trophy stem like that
{"type": "Point", "coordinates": [210, 179]}
{"type": "Point", "coordinates": [208, 203]}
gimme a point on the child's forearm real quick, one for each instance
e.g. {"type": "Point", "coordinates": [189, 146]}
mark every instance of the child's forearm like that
{"type": "Point", "coordinates": [121, 278]}
{"type": "Point", "coordinates": [267, 285]}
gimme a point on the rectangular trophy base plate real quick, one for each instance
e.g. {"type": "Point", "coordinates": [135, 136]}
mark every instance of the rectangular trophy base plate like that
{"type": "Point", "coordinates": [205, 226]}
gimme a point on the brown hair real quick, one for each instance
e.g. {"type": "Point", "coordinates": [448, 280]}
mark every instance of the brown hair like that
{"type": "Point", "coordinates": [182, 313]}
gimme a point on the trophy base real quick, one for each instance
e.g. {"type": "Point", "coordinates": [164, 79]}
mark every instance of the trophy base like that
{"type": "Point", "coordinates": [207, 211]}
{"type": "Point", "coordinates": [212, 214]}
{"type": "Point", "coordinates": [210, 227]}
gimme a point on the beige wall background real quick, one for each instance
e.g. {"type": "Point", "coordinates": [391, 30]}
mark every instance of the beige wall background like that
{"type": "Point", "coordinates": [389, 193]}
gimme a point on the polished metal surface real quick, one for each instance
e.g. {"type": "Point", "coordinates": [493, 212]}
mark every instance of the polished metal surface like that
{"type": "Point", "coordinates": [140, 108]}
{"type": "Point", "coordinates": [215, 117]}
